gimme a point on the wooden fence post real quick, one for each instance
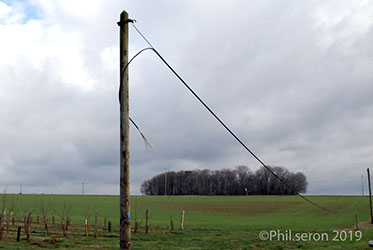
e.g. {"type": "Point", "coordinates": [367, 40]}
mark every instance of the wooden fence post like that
{"type": "Point", "coordinates": [147, 221]}
{"type": "Point", "coordinates": [172, 223]}
{"type": "Point", "coordinates": [182, 221]}
{"type": "Point", "coordinates": [136, 225]}
{"type": "Point", "coordinates": [19, 234]}
{"type": "Point", "coordinates": [357, 224]}
{"type": "Point", "coordinates": [109, 226]}
{"type": "Point", "coordinates": [96, 224]}
{"type": "Point", "coordinates": [67, 222]}
{"type": "Point", "coordinates": [46, 224]}
{"type": "Point", "coordinates": [63, 228]}
{"type": "Point", "coordinates": [29, 220]}
{"type": "Point", "coordinates": [86, 227]}
{"type": "Point", "coordinates": [1, 230]}
{"type": "Point", "coordinates": [25, 224]}
{"type": "Point", "coordinates": [1, 227]}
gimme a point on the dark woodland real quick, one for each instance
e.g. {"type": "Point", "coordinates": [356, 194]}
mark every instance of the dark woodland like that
{"type": "Point", "coordinates": [238, 181]}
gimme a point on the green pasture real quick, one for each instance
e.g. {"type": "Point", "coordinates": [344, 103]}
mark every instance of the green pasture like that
{"type": "Point", "coordinates": [211, 222]}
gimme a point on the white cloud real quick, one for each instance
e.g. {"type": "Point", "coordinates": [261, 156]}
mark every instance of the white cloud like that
{"type": "Point", "coordinates": [110, 58]}
{"type": "Point", "coordinates": [5, 10]}
{"type": "Point", "coordinates": [87, 9]}
{"type": "Point", "coordinates": [11, 14]}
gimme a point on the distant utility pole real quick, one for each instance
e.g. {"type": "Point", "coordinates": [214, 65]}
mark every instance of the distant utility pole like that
{"type": "Point", "coordinates": [125, 227]}
{"type": "Point", "coordinates": [83, 188]}
{"type": "Point", "coordinates": [20, 188]}
{"type": "Point", "coordinates": [370, 198]}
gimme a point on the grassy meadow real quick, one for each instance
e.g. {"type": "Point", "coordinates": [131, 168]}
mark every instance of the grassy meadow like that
{"type": "Point", "coordinates": [211, 222]}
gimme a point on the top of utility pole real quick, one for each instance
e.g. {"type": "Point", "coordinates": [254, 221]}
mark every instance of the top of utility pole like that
{"type": "Point", "coordinates": [124, 18]}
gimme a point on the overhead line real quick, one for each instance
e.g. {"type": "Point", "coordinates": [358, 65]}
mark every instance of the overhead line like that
{"type": "Point", "coordinates": [223, 124]}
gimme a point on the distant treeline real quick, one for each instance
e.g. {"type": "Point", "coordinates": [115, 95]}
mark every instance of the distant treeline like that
{"type": "Point", "coordinates": [238, 181]}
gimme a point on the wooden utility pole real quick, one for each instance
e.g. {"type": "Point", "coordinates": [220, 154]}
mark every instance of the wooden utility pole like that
{"type": "Point", "coordinates": [370, 198]}
{"type": "Point", "coordinates": [125, 227]}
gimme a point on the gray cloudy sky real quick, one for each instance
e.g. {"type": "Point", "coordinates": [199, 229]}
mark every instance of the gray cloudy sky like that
{"type": "Point", "coordinates": [293, 79]}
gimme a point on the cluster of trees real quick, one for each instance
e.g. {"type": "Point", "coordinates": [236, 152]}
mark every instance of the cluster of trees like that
{"type": "Point", "coordinates": [238, 181]}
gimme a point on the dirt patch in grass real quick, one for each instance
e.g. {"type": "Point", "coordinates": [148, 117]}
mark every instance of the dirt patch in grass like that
{"type": "Point", "coordinates": [231, 207]}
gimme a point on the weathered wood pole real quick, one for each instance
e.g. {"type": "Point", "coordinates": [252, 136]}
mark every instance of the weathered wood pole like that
{"type": "Point", "coordinates": [25, 224]}
{"type": "Point", "coordinates": [63, 227]}
{"type": "Point", "coordinates": [12, 218]}
{"type": "Point", "coordinates": [182, 221]}
{"type": "Point", "coordinates": [46, 224]}
{"type": "Point", "coordinates": [96, 225]}
{"type": "Point", "coordinates": [357, 224]}
{"type": "Point", "coordinates": [172, 223]}
{"type": "Point", "coordinates": [1, 231]}
{"type": "Point", "coordinates": [86, 227]}
{"type": "Point", "coordinates": [109, 226]}
{"type": "Point", "coordinates": [1, 227]}
{"type": "Point", "coordinates": [28, 224]}
{"type": "Point", "coordinates": [19, 234]}
{"type": "Point", "coordinates": [136, 226]}
{"type": "Point", "coordinates": [125, 227]}
{"type": "Point", "coordinates": [147, 221]}
{"type": "Point", "coordinates": [370, 198]}
{"type": "Point", "coordinates": [67, 222]}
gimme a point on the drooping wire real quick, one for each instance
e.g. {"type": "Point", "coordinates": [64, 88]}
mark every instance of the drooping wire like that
{"type": "Point", "coordinates": [125, 68]}
{"type": "Point", "coordinates": [226, 127]}
{"type": "Point", "coordinates": [147, 144]}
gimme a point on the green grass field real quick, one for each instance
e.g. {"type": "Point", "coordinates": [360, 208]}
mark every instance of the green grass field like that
{"type": "Point", "coordinates": [211, 222]}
